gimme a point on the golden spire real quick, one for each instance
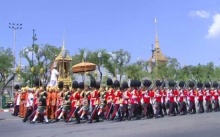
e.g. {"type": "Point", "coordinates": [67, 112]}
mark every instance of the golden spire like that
{"type": "Point", "coordinates": [157, 54]}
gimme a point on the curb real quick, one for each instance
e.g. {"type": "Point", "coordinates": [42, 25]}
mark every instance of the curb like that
{"type": "Point", "coordinates": [6, 110]}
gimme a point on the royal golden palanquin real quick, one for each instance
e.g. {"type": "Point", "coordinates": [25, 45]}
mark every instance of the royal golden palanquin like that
{"type": "Point", "coordinates": [62, 62]}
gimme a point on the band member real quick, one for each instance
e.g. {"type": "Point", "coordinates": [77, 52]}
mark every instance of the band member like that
{"type": "Point", "coordinates": [182, 99]}
{"type": "Point", "coordinates": [200, 95]}
{"type": "Point", "coordinates": [191, 95]}
{"type": "Point", "coordinates": [208, 97]}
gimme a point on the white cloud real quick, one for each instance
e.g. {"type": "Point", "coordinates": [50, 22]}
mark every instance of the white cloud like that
{"type": "Point", "coordinates": [200, 13]}
{"type": "Point", "coordinates": [214, 29]}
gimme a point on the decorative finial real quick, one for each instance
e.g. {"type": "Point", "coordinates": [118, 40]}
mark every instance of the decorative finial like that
{"type": "Point", "coordinates": [155, 21]}
{"type": "Point", "coordinates": [63, 46]}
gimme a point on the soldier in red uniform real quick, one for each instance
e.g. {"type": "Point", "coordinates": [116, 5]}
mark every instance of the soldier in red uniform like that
{"type": "Point", "coordinates": [208, 97]}
{"type": "Point", "coordinates": [94, 100]}
{"type": "Point", "coordinates": [126, 99]}
{"type": "Point", "coordinates": [191, 95]}
{"type": "Point", "coordinates": [146, 99]}
{"type": "Point", "coordinates": [164, 98]}
{"type": "Point", "coordinates": [75, 103]}
{"type": "Point", "coordinates": [85, 95]}
{"type": "Point", "coordinates": [109, 98]}
{"type": "Point", "coordinates": [200, 96]}
{"type": "Point", "coordinates": [182, 99]}
{"type": "Point", "coordinates": [102, 104]}
{"type": "Point", "coordinates": [117, 100]}
{"type": "Point", "coordinates": [158, 100]}
{"type": "Point", "coordinates": [171, 96]}
{"type": "Point", "coordinates": [215, 96]}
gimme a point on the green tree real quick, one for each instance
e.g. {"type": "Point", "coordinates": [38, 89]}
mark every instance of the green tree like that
{"type": "Point", "coordinates": [43, 58]}
{"type": "Point", "coordinates": [6, 64]}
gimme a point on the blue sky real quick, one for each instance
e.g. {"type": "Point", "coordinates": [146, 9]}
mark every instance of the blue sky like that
{"type": "Point", "coordinates": [188, 30]}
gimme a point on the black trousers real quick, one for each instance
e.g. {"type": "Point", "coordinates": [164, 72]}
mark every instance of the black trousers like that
{"type": "Point", "coordinates": [201, 107]}
{"type": "Point", "coordinates": [216, 105]}
{"type": "Point", "coordinates": [164, 108]}
{"type": "Point", "coordinates": [171, 108]}
{"type": "Point", "coordinates": [208, 106]}
{"type": "Point", "coordinates": [28, 113]}
{"type": "Point", "coordinates": [16, 110]}
{"type": "Point", "coordinates": [159, 111]}
{"type": "Point", "coordinates": [192, 107]}
{"type": "Point", "coordinates": [183, 109]}
{"type": "Point", "coordinates": [176, 107]}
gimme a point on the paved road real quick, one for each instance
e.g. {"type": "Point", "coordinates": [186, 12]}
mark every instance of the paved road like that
{"type": "Point", "coordinates": [199, 125]}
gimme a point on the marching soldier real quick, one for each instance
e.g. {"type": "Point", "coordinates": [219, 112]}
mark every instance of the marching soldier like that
{"type": "Point", "coordinates": [109, 98]}
{"type": "Point", "coordinates": [66, 103]}
{"type": "Point", "coordinates": [192, 106]}
{"type": "Point", "coordinates": [75, 102]}
{"type": "Point", "coordinates": [103, 102]}
{"type": "Point", "coordinates": [171, 97]}
{"type": "Point", "coordinates": [59, 98]}
{"type": "Point", "coordinates": [208, 97]}
{"type": "Point", "coordinates": [158, 98]}
{"type": "Point", "coordinates": [85, 98]}
{"type": "Point", "coordinates": [200, 95]}
{"type": "Point", "coordinates": [164, 98]}
{"type": "Point", "coordinates": [126, 94]}
{"type": "Point", "coordinates": [146, 99]}
{"type": "Point", "coordinates": [182, 99]}
{"type": "Point", "coordinates": [94, 102]}
{"type": "Point", "coordinates": [215, 96]}
{"type": "Point", "coordinates": [117, 102]}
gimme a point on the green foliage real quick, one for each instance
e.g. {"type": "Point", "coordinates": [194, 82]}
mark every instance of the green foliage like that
{"type": "Point", "coordinates": [43, 57]}
{"type": "Point", "coordinates": [6, 63]}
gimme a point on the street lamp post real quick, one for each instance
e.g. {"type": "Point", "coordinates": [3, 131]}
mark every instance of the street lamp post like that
{"type": "Point", "coordinates": [14, 27]}
{"type": "Point", "coordinates": [32, 63]}
{"type": "Point", "coordinates": [99, 66]}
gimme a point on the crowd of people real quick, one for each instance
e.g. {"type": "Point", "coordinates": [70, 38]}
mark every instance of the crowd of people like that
{"type": "Point", "coordinates": [114, 101]}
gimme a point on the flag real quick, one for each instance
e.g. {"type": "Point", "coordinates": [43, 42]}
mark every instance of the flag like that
{"type": "Point", "coordinates": [155, 20]}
